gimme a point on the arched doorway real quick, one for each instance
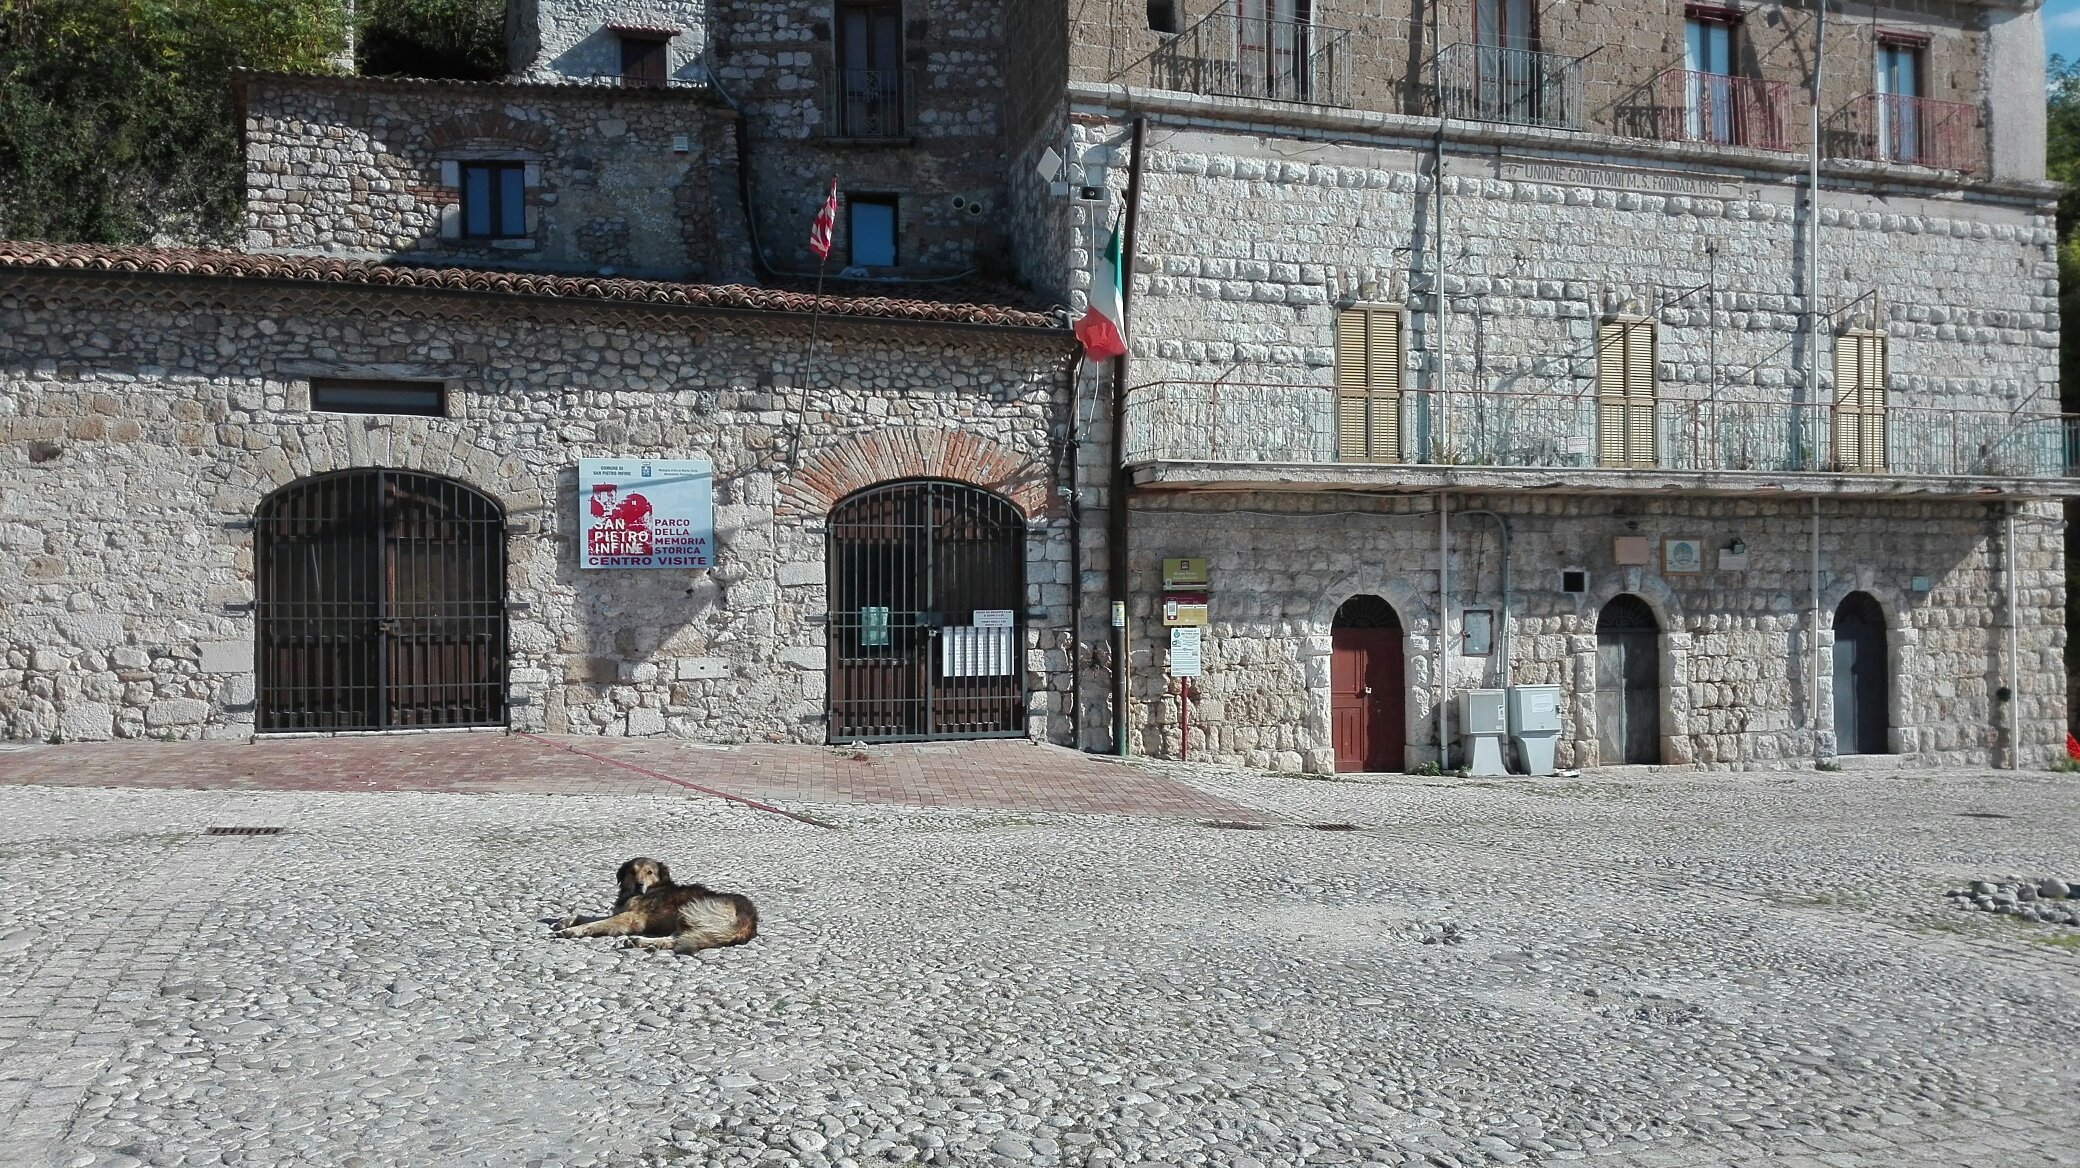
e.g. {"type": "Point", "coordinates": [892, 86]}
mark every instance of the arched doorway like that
{"type": "Point", "coordinates": [1628, 682]}
{"type": "Point", "coordinates": [1367, 719]}
{"type": "Point", "coordinates": [1862, 677]}
{"type": "Point", "coordinates": [927, 614]}
{"type": "Point", "coordinates": [381, 604]}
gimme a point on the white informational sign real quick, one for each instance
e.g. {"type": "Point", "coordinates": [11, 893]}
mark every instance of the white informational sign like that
{"type": "Point", "coordinates": [646, 513]}
{"type": "Point", "coordinates": [995, 618]}
{"type": "Point", "coordinates": [1184, 650]}
{"type": "Point", "coordinates": [971, 651]}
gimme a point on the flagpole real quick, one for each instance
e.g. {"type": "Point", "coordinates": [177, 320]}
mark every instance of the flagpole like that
{"type": "Point", "coordinates": [823, 263]}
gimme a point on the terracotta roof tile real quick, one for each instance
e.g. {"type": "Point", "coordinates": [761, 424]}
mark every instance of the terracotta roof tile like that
{"type": "Point", "coordinates": [21, 255]}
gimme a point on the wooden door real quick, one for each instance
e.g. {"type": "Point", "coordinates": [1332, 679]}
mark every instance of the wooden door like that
{"type": "Point", "coordinates": [1366, 688]}
{"type": "Point", "coordinates": [1862, 680]}
{"type": "Point", "coordinates": [1628, 683]}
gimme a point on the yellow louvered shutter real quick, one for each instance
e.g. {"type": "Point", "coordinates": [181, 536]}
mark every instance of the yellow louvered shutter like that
{"type": "Point", "coordinates": [1368, 385]}
{"type": "Point", "coordinates": [1625, 394]}
{"type": "Point", "coordinates": [1859, 402]}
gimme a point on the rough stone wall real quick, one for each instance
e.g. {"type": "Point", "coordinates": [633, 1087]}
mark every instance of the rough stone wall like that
{"type": "Point", "coordinates": [364, 168]}
{"type": "Point", "coordinates": [136, 451]}
{"type": "Point", "coordinates": [1248, 246]}
{"type": "Point", "coordinates": [557, 40]}
{"type": "Point", "coordinates": [1388, 53]}
{"type": "Point", "coordinates": [947, 170]}
{"type": "Point", "coordinates": [1735, 644]}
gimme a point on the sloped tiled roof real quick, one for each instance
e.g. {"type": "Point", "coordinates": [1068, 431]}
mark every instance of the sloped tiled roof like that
{"type": "Point", "coordinates": [190, 262]}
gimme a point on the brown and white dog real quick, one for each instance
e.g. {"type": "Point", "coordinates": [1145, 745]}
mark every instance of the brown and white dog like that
{"type": "Point", "coordinates": [658, 913]}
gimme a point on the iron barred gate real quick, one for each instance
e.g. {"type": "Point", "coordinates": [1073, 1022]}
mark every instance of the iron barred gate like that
{"type": "Point", "coordinates": [381, 604]}
{"type": "Point", "coordinates": [927, 631]}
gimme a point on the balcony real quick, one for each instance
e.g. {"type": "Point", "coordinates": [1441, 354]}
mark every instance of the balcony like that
{"type": "Point", "coordinates": [1517, 87]}
{"type": "Point", "coordinates": [1683, 105]}
{"type": "Point", "coordinates": [1916, 131]}
{"type": "Point", "coordinates": [1251, 57]}
{"type": "Point", "coordinates": [867, 103]}
{"type": "Point", "coordinates": [1266, 435]}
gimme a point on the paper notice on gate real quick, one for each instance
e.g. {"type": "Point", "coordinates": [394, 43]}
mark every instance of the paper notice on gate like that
{"type": "Point", "coordinates": [972, 651]}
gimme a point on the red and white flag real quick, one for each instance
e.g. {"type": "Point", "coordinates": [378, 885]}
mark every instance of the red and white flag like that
{"type": "Point", "coordinates": [1102, 329]}
{"type": "Point", "coordinates": [826, 222]}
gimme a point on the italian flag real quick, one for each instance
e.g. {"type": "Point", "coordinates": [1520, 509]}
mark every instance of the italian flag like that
{"type": "Point", "coordinates": [1103, 329]}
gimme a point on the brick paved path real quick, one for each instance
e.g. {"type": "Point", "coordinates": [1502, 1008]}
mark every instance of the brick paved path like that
{"type": "Point", "coordinates": [1000, 774]}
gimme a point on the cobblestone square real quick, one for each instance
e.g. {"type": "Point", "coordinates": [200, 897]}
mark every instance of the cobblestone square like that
{"type": "Point", "coordinates": [1670, 970]}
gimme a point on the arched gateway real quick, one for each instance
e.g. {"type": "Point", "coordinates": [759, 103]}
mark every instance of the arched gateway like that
{"type": "Point", "coordinates": [927, 614]}
{"type": "Point", "coordinates": [381, 604]}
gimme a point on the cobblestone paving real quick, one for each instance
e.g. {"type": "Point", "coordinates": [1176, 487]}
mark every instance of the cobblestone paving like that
{"type": "Point", "coordinates": [1717, 970]}
{"type": "Point", "coordinates": [1011, 774]}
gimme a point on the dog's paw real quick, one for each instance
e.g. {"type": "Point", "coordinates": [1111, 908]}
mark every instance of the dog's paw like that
{"type": "Point", "coordinates": [565, 923]}
{"type": "Point", "coordinates": [629, 943]}
{"type": "Point", "coordinates": [568, 931]}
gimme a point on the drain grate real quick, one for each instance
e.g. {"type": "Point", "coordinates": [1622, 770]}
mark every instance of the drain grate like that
{"type": "Point", "coordinates": [1334, 826]}
{"type": "Point", "coordinates": [245, 831]}
{"type": "Point", "coordinates": [1982, 815]}
{"type": "Point", "coordinates": [1236, 825]}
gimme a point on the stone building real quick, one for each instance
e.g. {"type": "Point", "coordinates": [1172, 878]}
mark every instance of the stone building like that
{"type": "Point", "coordinates": [331, 481]}
{"type": "Point", "coordinates": [1479, 344]}
{"type": "Point", "coordinates": [1475, 344]}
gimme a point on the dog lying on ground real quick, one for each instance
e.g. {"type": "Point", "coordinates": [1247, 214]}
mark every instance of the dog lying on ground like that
{"type": "Point", "coordinates": [655, 912]}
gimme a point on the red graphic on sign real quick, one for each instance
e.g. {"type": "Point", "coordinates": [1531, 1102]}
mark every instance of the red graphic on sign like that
{"type": "Point", "coordinates": [624, 523]}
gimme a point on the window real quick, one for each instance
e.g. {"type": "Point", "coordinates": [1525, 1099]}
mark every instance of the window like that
{"type": "Point", "coordinates": [1709, 85]}
{"type": "Point", "coordinates": [1899, 98]}
{"type": "Point", "coordinates": [1163, 18]}
{"type": "Point", "coordinates": [871, 230]}
{"type": "Point", "coordinates": [870, 71]}
{"type": "Point", "coordinates": [1625, 393]}
{"type": "Point", "coordinates": [494, 200]}
{"type": "Point", "coordinates": [1859, 401]}
{"type": "Point", "coordinates": [643, 60]}
{"type": "Point", "coordinates": [367, 395]}
{"type": "Point", "coordinates": [1274, 48]}
{"type": "Point", "coordinates": [1368, 385]}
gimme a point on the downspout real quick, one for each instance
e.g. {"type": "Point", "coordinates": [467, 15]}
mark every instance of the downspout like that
{"type": "Point", "coordinates": [1122, 482]}
{"type": "Point", "coordinates": [1813, 650]}
{"type": "Point", "coordinates": [1501, 527]}
{"type": "Point", "coordinates": [1073, 495]}
{"type": "Point", "coordinates": [2014, 642]}
{"type": "Point", "coordinates": [1444, 687]}
{"type": "Point", "coordinates": [1813, 230]}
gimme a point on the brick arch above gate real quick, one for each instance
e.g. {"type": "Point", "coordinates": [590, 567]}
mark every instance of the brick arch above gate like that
{"type": "Point", "coordinates": [853, 464]}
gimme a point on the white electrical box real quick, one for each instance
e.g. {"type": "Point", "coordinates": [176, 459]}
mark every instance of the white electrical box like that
{"type": "Point", "coordinates": [1481, 711]}
{"type": "Point", "coordinates": [1534, 707]}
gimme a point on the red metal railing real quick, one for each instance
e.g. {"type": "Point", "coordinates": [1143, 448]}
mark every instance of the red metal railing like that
{"type": "Point", "coordinates": [1918, 131]}
{"type": "Point", "coordinates": [1689, 106]}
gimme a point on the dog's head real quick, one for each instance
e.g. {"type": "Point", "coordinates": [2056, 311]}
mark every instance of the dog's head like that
{"type": "Point", "coordinates": [642, 875]}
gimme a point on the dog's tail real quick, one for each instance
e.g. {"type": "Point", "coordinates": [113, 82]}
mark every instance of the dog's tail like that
{"type": "Point", "coordinates": [724, 918]}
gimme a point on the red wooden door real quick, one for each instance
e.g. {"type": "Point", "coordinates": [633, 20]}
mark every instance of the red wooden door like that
{"type": "Point", "coordinates": [1365, 699]}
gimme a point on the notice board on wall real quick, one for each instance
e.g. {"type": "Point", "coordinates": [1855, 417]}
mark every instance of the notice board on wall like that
{"type": "Point", "coordinates": [646, 513]}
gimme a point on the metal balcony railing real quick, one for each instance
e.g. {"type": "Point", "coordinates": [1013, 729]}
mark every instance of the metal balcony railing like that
{"type": "Point", "coordinates": [1224, 55]}
{"type": "Point", "coordinates": [1684, 105]}
{"type": "Point", "coordinates": [1918, 131]}
{"type": "Point", "coordinates": [1519, 87]}
{"type": "Point", "coordinates": [1228, 422]}
{"type": "Point", "coordinates": [867, 103]}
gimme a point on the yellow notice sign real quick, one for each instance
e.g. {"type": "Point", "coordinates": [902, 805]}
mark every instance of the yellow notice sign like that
{"type": "Point", "coordinates": [1185, 572]}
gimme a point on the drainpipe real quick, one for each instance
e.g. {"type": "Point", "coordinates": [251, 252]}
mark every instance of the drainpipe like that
{"type": "Point", "coordinates": [1073, 492]}
{"type": "Point", "coordinates": [1813, 651]}
{"type": "Point", "coordinates": [1122, 482]}
{"type": "Point", "coordinates": [2014, 642]}
{"type": "Point", "coordinates": [1813, 227]}
{"type": "Point", "coordinates": [1502, 528]}
{"type": "Point", "coordinates": [1444, 688]}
